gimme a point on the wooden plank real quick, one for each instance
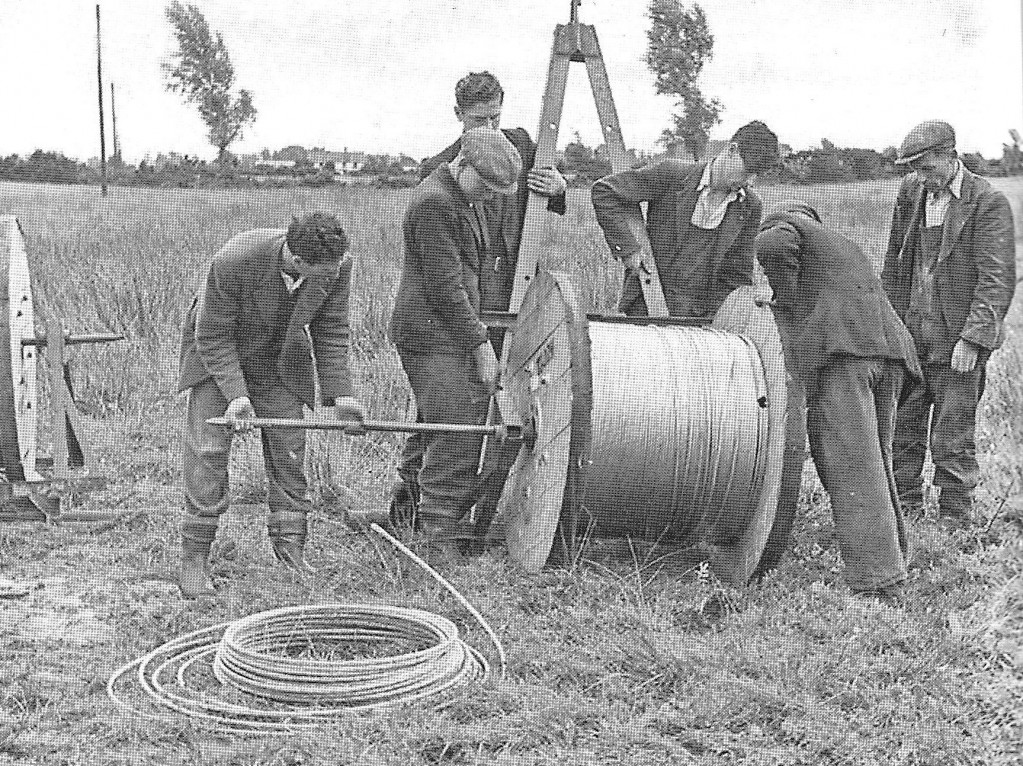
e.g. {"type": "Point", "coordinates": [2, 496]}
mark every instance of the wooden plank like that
{"type": "Point", "coordinates": [546, 147]}
{"type": "Point", "coordinates": [59, 398]}
{"type": "Point", "coordinates": [650, 281]}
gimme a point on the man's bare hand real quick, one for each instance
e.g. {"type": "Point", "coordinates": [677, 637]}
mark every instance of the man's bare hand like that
{"type": "Point", "coordinates": [238, 411]}
{"type": "Point", "coordinates": [964, 356]}
{"type": "Point", "coordinates": [348, 408]}
{"type": "Point", "coordinates": [487, 368]}
{"type": "Point", "coordinates": [546, 181]}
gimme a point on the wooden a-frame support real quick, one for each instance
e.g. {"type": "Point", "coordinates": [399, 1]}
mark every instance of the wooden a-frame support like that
{"type": "Point", "coordinates": [572, 42]}
{"type": "Point", "coordinates": [577, 42]}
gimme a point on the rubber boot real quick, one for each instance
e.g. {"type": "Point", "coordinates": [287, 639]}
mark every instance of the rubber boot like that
{"type": "Point", "coordinates": [955, 506]}
{"type": "Point", "coordinates": [288, 530]}
{"type": "Point", "coordinates": [404, 506]}
{"type": "Point", "coordinates": [197, 533]}
{"type": "Point", "coordinates": [445, 539]}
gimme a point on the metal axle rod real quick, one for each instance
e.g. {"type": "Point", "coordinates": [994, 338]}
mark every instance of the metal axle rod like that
{"type": "Point", "coordinates": [73, 340]}
{"type": "Point", "coordinates": [501, 431]}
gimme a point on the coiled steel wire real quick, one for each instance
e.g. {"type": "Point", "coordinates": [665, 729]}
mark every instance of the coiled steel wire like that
{"type": "Point", "coordinates": [261, 656]}
{"type": "Point", "coordinates": [680, 429]}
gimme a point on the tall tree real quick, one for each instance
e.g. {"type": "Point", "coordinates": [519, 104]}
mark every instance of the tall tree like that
{"type": "Point", "coordinates": [679, 43]}
{"type": "Point", "coordinates": [202, 72]}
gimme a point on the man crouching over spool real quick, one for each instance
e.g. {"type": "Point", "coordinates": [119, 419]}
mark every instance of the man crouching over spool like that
{"type": "Point", "coordinates": [436, 322]}
{"type": "Point", "coordinates": [271, 316]}
{"type": "Point", "coordinates": [845, 343]}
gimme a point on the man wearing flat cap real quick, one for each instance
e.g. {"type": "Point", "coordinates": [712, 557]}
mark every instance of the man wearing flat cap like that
{"type": "Point", "coordinates": [844, 343]}
{"type": "Point", "coordinates": [701, 220]}
{"type": "Point", "coordinates": [950, 273]}
{"type": "Point", "coordinates": [436, 323]}
{"type": "Point", "coordinates": [479, 100]}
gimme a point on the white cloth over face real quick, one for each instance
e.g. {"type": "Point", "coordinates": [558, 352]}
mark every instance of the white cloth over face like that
{"type": "Point", "coordinates": [709, 213]}
{"type": "Point", "coordinates": [938, 202]}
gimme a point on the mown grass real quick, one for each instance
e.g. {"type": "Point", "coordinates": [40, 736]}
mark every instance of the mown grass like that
{"type": "Point", "coordinates": [622, 658]}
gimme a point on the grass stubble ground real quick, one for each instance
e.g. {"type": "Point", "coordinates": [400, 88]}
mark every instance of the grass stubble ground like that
{"type": "Point", "coordinates": [611, 660]}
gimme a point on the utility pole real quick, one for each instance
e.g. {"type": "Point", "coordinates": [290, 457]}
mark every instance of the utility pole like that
{"type": "Point", "coordinates": [113, 121]}
{"type": "Point", "coordinates": [102, 138]}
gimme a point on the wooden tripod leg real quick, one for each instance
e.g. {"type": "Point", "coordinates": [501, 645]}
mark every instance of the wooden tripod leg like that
{"type": "Point", "coordinates": [58, 398]}
{"type": "Point", "coordinates": [68, 450]}
{"type": "Point", "coordinates": [546, 146]}
{"type": "Point", "coordinates": [650, 281]}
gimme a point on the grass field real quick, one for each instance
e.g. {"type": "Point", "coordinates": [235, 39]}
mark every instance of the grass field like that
{"type": "Point", "coordinates": [610, 661]}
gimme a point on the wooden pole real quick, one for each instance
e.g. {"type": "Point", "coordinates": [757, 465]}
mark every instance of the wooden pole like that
{"type": "Point", "coordinates": [102, 138]}
{"type": "Point", "coordinates": [113, 124]}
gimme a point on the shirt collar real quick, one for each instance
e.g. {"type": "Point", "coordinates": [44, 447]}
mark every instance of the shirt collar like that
{"type": "Point", "coordinates": [290, 282]}
{"type": "Point", "coordinates": [956, 184]}
{"type": "Point", "coordinates": [739, 193]}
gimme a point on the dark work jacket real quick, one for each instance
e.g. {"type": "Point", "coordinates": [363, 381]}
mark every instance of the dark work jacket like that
{"type": "Point", "coordinates": [236, 317]}
{"type": "Point", "coordinates": [670, 189]}
{"type": "Point", "coordinates": [829, 300]}
{"type": "Point", "coordinates": [437, 306]}
{"type": "Point", "coordinates": [975, 275]}
{"type": "Point", "coordinates": [505, 215]}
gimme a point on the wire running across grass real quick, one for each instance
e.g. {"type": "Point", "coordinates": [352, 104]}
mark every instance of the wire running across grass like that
{"type": "Point", "coordinates": [288, 658]}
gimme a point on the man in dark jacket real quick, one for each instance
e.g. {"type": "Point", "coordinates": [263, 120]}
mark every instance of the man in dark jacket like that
{"type": "Point", "coordinates": [436, 322]}
{"type": "Point", "coordinates": [845, 344]}
{"type": "Point", "coordinates": [272, 314]}
{"type": "Point", "coordinates": [479, 99]}
{"type": "Point", "coordinates": [950, 273]}
{"type": "Point", "coordinates": [701, 220]}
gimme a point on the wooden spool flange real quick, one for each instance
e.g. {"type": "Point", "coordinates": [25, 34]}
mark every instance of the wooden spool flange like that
{"type": "Point", "coordinates": [18, 401]}
{"type": "Point", "coordinates": [554, 486]}
{"type": "Point", "coordinates": [32, 485]}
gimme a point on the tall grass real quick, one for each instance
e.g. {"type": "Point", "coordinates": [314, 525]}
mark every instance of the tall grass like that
{"type": "Point", "coordinates": [615, 660]}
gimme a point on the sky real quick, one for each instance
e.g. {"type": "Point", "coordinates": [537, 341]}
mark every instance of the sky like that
{"type": "Point", "coordinates": [379, 75]}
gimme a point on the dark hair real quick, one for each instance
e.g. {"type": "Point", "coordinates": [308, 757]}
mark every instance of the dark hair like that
{"type": "Point", "coordinates": [317, 238]}
{"type": "Point", "coordinates": [477, 88]}
{"type": "Point", "coordinates": [758, 146]}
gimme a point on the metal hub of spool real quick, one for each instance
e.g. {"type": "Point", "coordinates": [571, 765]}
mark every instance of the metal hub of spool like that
{"type": "Point", "coordinates": [661, 432]}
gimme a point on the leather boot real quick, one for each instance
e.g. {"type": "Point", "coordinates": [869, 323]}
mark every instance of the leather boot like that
{"type": "Point", "coordinates": [197, 533]}
{"type": "Point", "coordinates": [446, 539]}
{"type": "Point", "coordinates": [288, 530]}
{"type": "Point", "coordinates": [955, 506]}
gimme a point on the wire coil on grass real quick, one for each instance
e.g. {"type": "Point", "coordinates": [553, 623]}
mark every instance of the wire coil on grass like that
{"type": "Point", "coordinates": [254, 655]}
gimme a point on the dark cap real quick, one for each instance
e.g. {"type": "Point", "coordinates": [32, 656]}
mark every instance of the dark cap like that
{"type": "Point", "coordinates": [494, 157]}
{"type": "Point", "coordinates": [929, 135]}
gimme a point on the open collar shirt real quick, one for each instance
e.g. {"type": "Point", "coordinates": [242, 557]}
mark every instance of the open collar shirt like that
{"type": "Point", "coordinates": [708, 213]}
{"type": "Point", "coordinates": [938, 202]}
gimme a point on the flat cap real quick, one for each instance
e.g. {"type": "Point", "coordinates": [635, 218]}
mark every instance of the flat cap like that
{"type": "Point", "coordinates": [494, 157]}
{"type": "Point", "coordinates": [932, 134]}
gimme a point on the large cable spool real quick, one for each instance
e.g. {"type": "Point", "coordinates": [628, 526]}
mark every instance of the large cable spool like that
{"type": "Point", "coordinates": [653, 430]}
{"type": "Point", "coordinates": [18, 402]}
